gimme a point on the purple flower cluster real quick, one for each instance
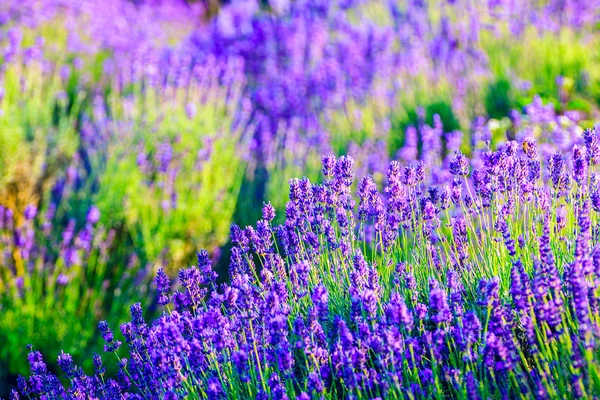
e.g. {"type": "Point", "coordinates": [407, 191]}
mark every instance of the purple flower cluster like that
{"type": "Point", "coordinates": [303, 61]}
{"type": "Point", "coordinates": [27, 244]}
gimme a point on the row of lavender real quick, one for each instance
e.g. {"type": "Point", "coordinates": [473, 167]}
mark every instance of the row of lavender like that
{"type": "Point", "coordinates": [355, 74]}
{"type": "Point", "coordinates": [484, 285]}
{"type": "Point", "coordinates": [348, 73]}
{"type": "Point", "coordinates": [133, 131]}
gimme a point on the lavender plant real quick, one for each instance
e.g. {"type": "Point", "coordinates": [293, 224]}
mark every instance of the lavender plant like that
{"type": "Point", "coordinates": [480, 285]}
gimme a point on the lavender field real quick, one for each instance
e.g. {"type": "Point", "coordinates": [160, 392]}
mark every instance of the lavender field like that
{"type": "Point", "coordinates": [299, 199]}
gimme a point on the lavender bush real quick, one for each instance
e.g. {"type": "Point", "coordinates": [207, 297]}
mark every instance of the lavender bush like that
{"type": "Point", "coordinates": [481, 285]}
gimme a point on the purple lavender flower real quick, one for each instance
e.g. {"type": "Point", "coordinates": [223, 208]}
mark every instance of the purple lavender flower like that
{"type": "Point", "coordinates": [299, 275]}
{"type": "Point", "coordinates": [111, 344]}
{"type": "Point", "coordinates": [98, 367]}
{"type": "Point", "coordinates": [438, 304]}
{"type": "Point", "coordinates": [410, 176]}
{"type": "Point", "coordinates": [191, 280]}
{"type": "Point", "coordinates": [163, 286]}
{"type": "Point", "coordinates": [530, 148]}
{"type": "Point", "coordinates": [65, 362]}
{"type": "Point", "coordinates": [268, 212]}
{"type": "Point", "coordinates": [62, 279]}
{"type": "Point", "coordinates": [592, 146]}
{"type": "Point", "coordinates": [93, 215]}
{"type": "Point", "coordinates": [580, 164]}
{"type": "Point", "coordinates": [428, 210]}
{"type": "Point", "coordinates": [30, 212]}
{"type": "Point", "coordinates": [320, 299]}
{"type": "Point", "coordinates": [459, 164]}
{"type": "Point", "coordinates": [190, 110]}
{"type": "Point", "coordinates": [329, 163]}
{"type": "Point", "coordinates": [343, 170]}
{"type": "Point", "coordinates": [558, 172]}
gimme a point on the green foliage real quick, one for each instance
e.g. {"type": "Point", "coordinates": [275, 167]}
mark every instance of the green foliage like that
{"type": "Point", "coordinates": [536, 63]}
{"type": "Point", "coordinates": [410, 117]}
{"type": "Point", "coordinates": [45, 313]}
{"type": "Point", "coordinates": [33, 146]}
{"type": "Point", "coordinates": [171, 214]}
{"type": "Point", "coordinates": [498, 101]}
